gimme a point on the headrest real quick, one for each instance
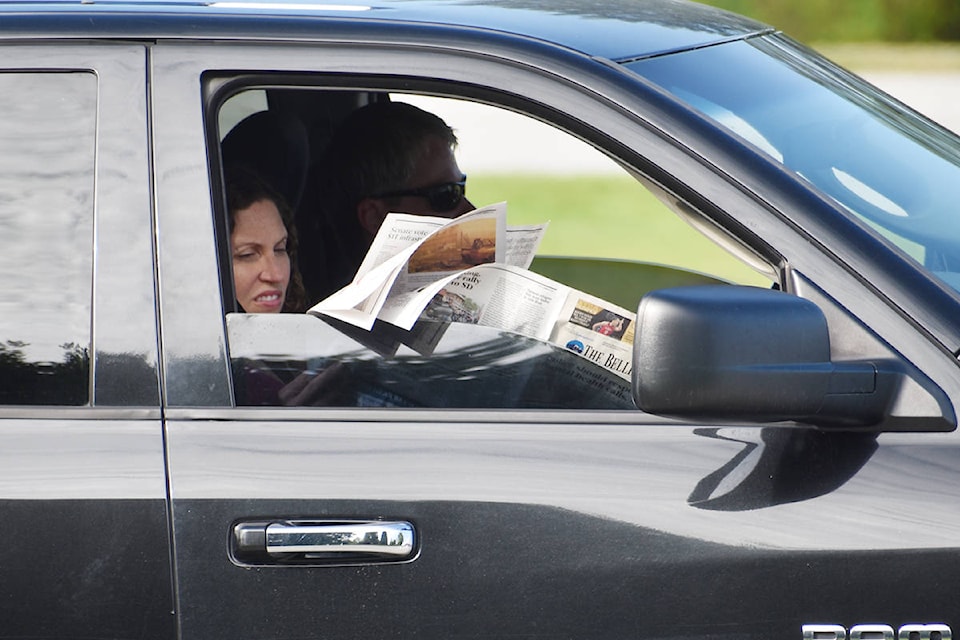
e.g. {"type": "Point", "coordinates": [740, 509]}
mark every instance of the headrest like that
{"type": "Point", "coordinates": [273, 145]}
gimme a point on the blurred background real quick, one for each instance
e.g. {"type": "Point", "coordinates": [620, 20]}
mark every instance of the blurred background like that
{"type": "Point", "coordinates": [872, 21]}
{"type": "Point", "coordinates": [909, 48]}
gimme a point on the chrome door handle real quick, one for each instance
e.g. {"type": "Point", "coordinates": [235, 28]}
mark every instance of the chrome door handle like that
{"type": "Point", "coordinates": [323, 541]}
{"type": "Point", "coordinates": [382, 538]}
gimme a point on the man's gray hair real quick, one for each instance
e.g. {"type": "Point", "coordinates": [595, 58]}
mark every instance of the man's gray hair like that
{"type": "Point", "coordinates": [375, 150]}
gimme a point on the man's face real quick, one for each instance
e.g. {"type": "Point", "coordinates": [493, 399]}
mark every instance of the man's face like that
{"type": "Point", "coordinates": [437, 166]}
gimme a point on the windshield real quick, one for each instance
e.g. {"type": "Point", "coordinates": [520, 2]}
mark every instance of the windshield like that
{"type": "Point", "coordinates": [891, 168]}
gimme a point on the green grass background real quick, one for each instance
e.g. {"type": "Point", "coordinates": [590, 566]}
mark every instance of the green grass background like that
{"type": "Point", "coordinates": [607, 216]}
{"type": "Point", "coordinates": [917, 57]}
{"type": "Point", "coordinates": [855, 20]}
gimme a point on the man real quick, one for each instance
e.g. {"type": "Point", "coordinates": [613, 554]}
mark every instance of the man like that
{"type": "Point", "coordinates": [385, 157]}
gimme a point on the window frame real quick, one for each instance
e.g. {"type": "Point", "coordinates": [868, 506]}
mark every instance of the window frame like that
{"type": "Point", "coordinates": [616, 111]}
{"type": "Point", "coordinates": [123, 347]}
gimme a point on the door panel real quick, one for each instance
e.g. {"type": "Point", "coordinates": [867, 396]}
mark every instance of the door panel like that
{"type": "Point", "coordinates": [563, 530]}
{"type": "Point", "coordinates": [82, 478]}
{"type": "Point", "coordinates": [85, 524]}
{"type": "Point", "coordinates": [572, 524]}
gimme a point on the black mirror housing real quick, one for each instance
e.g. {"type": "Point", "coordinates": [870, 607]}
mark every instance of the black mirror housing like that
{"type": "Point", "coordinates": [734, 353]}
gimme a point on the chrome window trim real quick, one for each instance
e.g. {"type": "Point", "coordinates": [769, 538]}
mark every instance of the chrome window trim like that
{"type": "Point", "coordinates": [316, 415]}
{"type": "Point", "coordinates": [79, 413]}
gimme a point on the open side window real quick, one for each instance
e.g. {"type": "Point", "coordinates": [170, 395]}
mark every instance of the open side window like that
{"type": "Point", "coordinates": [607, 237]}
{"type": "Point", "coordinates": [611, 236]}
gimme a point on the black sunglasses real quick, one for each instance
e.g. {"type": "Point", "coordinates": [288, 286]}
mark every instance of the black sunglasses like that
{"type": "Point", "coordinates": [442, 197]}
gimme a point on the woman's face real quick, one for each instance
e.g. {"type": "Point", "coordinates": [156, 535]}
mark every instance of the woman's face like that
{"type": "Point", "coordinates": [261, 265]}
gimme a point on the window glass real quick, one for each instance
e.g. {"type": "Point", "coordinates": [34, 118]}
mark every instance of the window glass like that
{"type": "Point", "coordinates": [893, 170]}
{"type": "Point", "coordinates": [47, 134]}
{"type": "Point", "coordinates": [552, 330]}
{"type": "Point", "coordinates": [301, 360]}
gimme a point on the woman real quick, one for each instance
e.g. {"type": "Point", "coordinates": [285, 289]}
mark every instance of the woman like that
{"type": "Point", "coordinates": [263, 247]}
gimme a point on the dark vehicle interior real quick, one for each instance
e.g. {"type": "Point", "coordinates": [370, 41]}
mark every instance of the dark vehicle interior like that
{"type": "Point", "coordinates": [281, 136]}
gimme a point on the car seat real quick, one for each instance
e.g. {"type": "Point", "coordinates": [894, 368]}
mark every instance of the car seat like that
{"type": "Point", "coordinates": [276, 147]}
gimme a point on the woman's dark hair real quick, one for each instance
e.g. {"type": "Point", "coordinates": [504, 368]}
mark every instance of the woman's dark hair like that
{"type": "Point", "coordinates": [244, 188]}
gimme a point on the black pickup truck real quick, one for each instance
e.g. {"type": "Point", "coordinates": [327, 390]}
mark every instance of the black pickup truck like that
{"type": "Point", "coordinates": [761, 443]}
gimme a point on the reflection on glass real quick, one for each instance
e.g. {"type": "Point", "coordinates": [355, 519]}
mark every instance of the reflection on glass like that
{"type": "Point", "coordinates": [893, 170]}
{"type": "Point", "coordinates": [47, 137]}
{"type": "Point", "coordinates": [326, 363]}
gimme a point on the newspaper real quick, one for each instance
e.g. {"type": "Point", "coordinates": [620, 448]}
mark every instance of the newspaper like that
{"type": "Point", "coordinates": [412, 251]}
{"type": "Point", "coordinates": [474, 269]}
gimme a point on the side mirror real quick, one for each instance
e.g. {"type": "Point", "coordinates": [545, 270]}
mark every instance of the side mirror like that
{"type": "Point", "coordinates": [732, 353]}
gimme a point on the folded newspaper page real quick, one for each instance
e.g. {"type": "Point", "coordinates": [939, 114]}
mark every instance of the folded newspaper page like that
{"type": "Point", "coordinates": [474, 269]}
{"type": "Point", "coordinates": [411, 251]}
{"type": "Point", "coordinates": [524, 302]}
